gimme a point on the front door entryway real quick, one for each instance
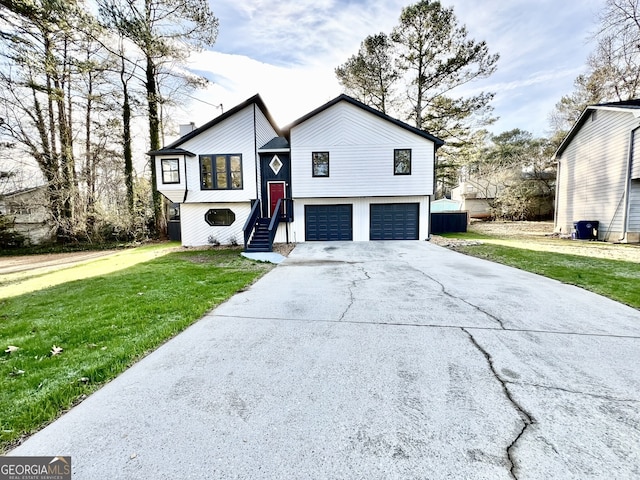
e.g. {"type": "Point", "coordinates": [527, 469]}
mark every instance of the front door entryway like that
{"type": "Point", "coordinates": [276, 191]}
{"type": "Point", "coordinates": [275, 183]}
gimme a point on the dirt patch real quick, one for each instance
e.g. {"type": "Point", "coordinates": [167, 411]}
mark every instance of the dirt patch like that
{"type": "Point", "coordinates": [452, 242]}
{"type": "Point", "coordinates": [513, 229]}
{"type": "Point", "coordinates": [283, 249]}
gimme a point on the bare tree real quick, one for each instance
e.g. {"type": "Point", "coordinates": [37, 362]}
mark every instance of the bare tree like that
{"type": "Point", "coordinates": [613, 68]}
{"type": "Point", "coordinates": [37, 39]}
{"type": "Point", "coordinates": [164, 32]}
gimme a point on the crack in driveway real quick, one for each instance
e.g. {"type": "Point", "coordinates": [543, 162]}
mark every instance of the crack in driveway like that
{"type": "Point", "coordinates": [455, 297]}
{"type": "Point", "coordinates": [526, 417]}
{"type": "Point", "coordinates": [352, 285]}
{"type": "Point", "coordinates": [575, 392]}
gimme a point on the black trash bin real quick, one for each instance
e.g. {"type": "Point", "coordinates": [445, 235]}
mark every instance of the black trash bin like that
{"type": "Point", "coordinates": [586, 229]}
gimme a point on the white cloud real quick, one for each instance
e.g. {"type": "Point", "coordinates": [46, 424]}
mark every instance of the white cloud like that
{"type": "Point", "coordinates": [287, 51]}
{"type": "Point", "coordinates": [289, 92]}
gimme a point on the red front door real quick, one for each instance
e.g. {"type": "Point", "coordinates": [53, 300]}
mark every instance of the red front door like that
{"type": "Point", "coordinates": [276, 192]}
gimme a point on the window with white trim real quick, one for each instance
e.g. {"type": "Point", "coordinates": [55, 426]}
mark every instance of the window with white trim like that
{"type": "Point", "coordinates": [170, 170]}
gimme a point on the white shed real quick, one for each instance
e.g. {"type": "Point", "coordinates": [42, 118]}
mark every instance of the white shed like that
{"type": "Point", "coordinates": [445, 205]}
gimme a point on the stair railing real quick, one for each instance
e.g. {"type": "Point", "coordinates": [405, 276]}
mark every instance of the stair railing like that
{"type": "Point", "coordinates": [275, 221]}
{"type": "Point", "coordinates": [250, 224]}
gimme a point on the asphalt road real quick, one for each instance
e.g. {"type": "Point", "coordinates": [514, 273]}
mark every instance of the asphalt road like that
{"type": "Point", "coordinates": [377, 360]}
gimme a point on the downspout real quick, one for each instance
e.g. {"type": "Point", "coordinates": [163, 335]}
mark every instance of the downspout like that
{"type": "Point", "coordinates": [255, 152]}
{"type": "Point", "coordinates": [429, 217]}
{"type": "Point", "coordinates": [186, 180]}
{"type": "Point", "coordinates": [627, 186]}
{"type": "Point", "coordinates": [555, 201]}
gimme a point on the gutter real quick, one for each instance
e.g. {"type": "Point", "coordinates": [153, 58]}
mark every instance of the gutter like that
{"type": "Point", "coordinates": [555, 200]}
{"type": "Point", "coordinates": [186, 180]}
{"type": "Point", "coordinates": [627, 186]}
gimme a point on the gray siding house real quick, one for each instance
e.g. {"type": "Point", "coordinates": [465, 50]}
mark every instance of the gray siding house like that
{"type": "Point", "coordinates": [28, 210]}
{"type": "Point", "coordinates": [342, 172]}
{"type": "Point", "coordinates": [599, 172]}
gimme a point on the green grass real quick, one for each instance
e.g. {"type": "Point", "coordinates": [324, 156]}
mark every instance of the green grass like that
{"type": "Point", "coordinates": [104, 324]}
{"type": "Point", "coordinates": [616, 279]}
{"type": "Point", "coordinates": [466, 236]}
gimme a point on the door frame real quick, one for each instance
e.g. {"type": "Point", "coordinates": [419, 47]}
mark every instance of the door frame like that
{"type": "Point", "coordinates": [284, 190]}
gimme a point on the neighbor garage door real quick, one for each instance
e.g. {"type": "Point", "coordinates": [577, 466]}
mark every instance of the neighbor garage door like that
{"type": "Point", "coordinates": [394, 221]}
{"type": "Point", "coordinates": [328, 222]}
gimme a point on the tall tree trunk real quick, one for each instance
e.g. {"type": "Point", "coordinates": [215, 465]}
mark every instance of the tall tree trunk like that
{"type": "Point", "coordinates": [89, 171]}
{"type": "Point", "coordinates": [126, 134]}
{"type": "Point", "coordinates": [154, 140]}
{"type": "Point", "coordinates": [67, 159]}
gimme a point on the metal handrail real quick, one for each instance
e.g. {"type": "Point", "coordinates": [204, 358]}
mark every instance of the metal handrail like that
{"type": "Point", "coordinates": [251, 222]}
{"type": "Point", "coordinates": [275, 221]}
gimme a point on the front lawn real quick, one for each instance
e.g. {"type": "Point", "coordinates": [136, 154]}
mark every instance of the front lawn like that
{"type": "Point", "coordinates": [102, 325]}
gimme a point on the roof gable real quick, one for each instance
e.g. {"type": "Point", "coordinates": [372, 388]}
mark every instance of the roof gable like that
{"type": "Point", "coordinates": [345, 98]}
{"type": "Point", "coordinates": [256, 99]}
{"type": "Point", "coordinates": [628, 106]}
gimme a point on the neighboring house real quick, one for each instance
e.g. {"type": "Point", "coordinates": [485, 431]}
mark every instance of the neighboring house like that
{"type": "Point", "coordinates": [599, 172]}
{"type": "Point", "coordinates": [342, 172]}
{"type": "Point", "coordinates": [28, 209]}
{"type": "Point", "coordinates": [475, 196]}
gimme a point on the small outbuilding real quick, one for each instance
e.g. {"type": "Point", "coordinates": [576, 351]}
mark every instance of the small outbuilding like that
{"type": "Point", "coordinates": [445, 205]}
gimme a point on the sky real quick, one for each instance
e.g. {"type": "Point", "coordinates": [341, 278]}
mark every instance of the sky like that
{"type": "Point", "coordinates": [287, 52]}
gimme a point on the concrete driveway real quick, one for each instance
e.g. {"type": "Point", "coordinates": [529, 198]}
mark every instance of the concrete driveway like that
{"type": "Point", "coordinates": [380, 361]}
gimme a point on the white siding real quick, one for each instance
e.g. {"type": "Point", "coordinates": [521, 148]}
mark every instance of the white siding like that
{"type": "Point", "coordinates": [634, 207]}
{"type": "Point", "coordinates": [196, 231]}
{"type": "Point", "coordinates": [635, 163]}
{"type": "Point", "coordinates": [361, 214]}
{"type": "Point", "coordinates": [231, 136]}
{"type": "Point", "coordinates": [360, 147]}
{"type": "Point", "coordinates": [593, 169]}
{"type": "Point", "coordinates": [173, 191]}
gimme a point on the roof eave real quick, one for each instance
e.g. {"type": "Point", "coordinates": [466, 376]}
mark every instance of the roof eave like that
{"type": "Point", "coordinates": [256, 99]}
{"type": "Point", "coordinates": [171, 151]}
{"type": "Point", "coordinates": [631, 109]}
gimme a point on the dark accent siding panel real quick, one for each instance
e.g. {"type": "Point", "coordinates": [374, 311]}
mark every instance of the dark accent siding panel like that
{"type": "Point", "coordinates": [328, 222]}
{"type": "Point", "coordinates": [394, 221]}
{"type": "Point", "coordinates": [173, 230]}
{"type": "Point", "coordinates": [448, 222]}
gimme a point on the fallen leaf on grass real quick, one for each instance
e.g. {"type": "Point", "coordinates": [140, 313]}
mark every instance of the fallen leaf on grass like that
{"type": "Point", "coordinates": [56, 350]}
{"type": "Point", "coordinates": [11, 349]}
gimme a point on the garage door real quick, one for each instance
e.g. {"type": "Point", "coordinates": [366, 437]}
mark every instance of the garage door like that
{"type": "Point", "coordinates": [328, 222]}
{"type": "Point", "coordinates": [394, 221]}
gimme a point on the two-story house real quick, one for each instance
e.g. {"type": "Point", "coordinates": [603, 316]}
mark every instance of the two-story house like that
{"type": "Point", "coordinates": [599, 173]}
{"type": "Point", "coordinates": [344, 171]}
